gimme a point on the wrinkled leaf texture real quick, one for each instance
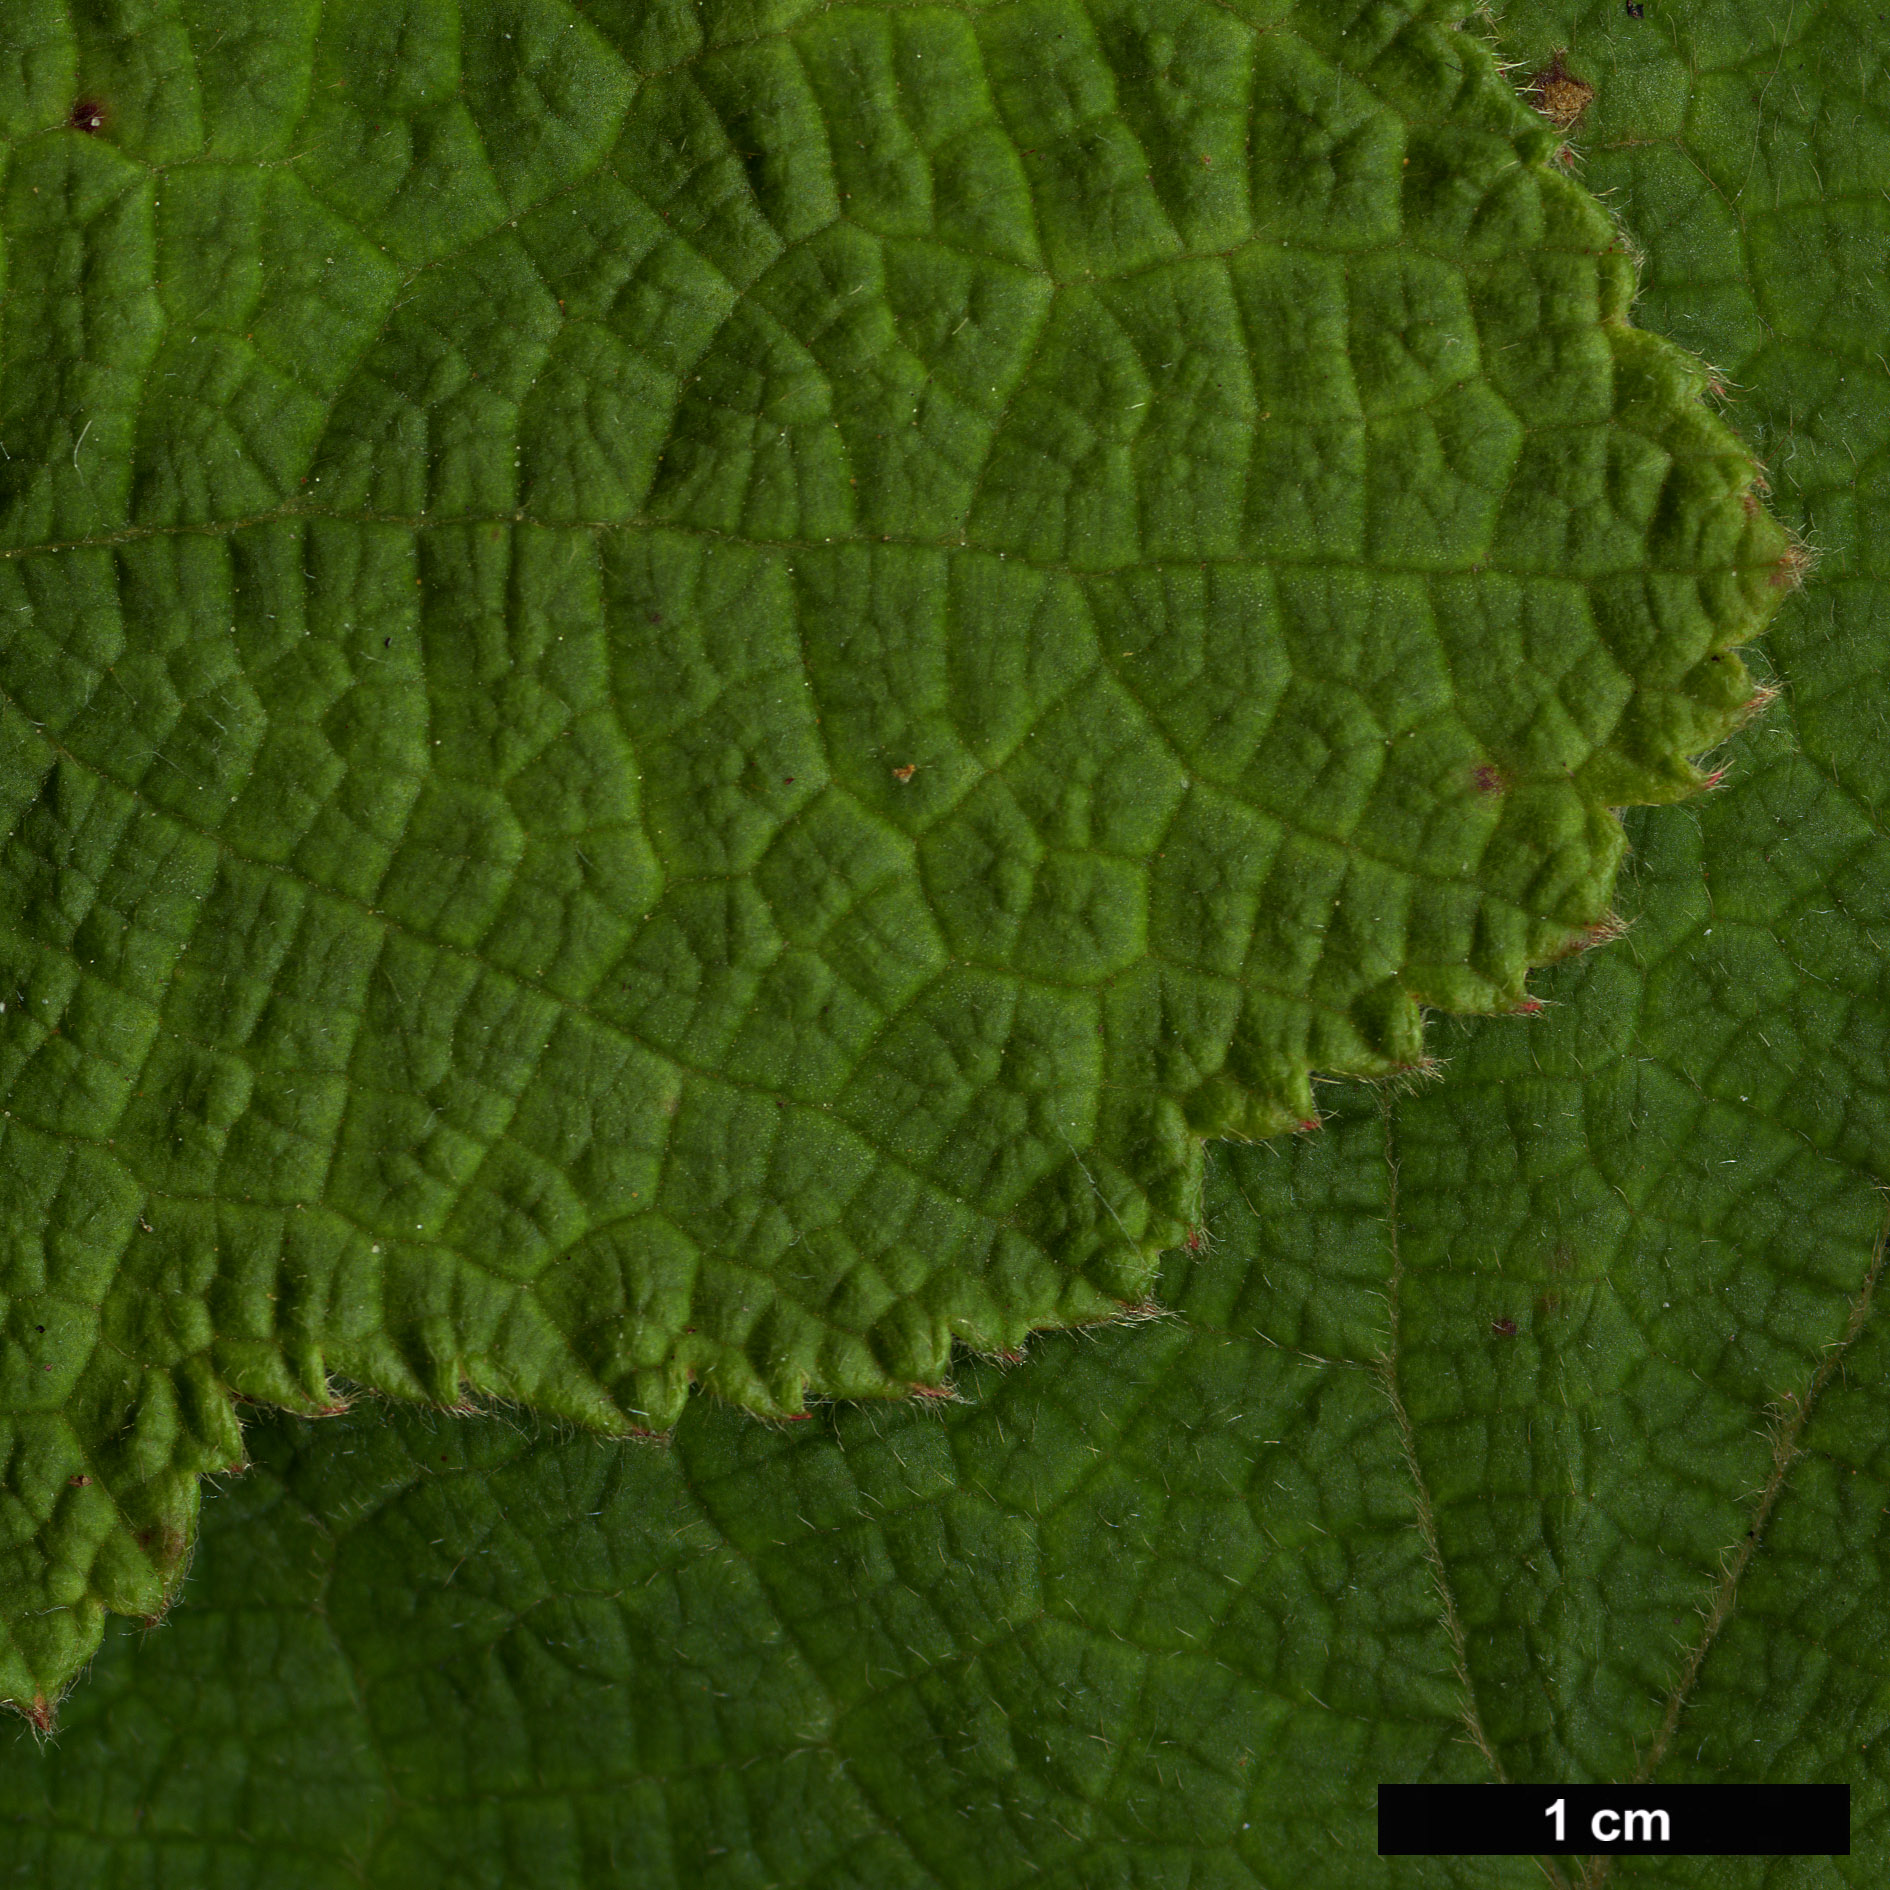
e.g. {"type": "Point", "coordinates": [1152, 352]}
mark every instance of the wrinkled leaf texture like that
{"type": "Point", "coordinates": [685, 691]}
{"type": "Point", "coordinates": [1530, 1425]}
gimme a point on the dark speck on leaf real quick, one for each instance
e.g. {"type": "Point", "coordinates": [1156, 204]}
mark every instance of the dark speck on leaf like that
{"type": "Point", "coordinates": [1635, 10]}
{"type": "Point", "coordinates": [87, 115]}
{"type": "Point", "coordinates": [1503, 1328]}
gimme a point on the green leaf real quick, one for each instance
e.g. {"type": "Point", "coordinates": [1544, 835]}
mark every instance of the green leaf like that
{"type": "Point", "coordinates": [1660, 1506]}
{"type": "Point", "coordinates": [685, 690]}
{"type": "Point", "coordinates": [1163, 1603]}
{"type": "Point", "coordinates": [1070, 1631]}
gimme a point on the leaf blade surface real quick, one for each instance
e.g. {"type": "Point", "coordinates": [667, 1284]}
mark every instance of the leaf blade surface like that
{"type": "Point", "coordinates": [648, 744]}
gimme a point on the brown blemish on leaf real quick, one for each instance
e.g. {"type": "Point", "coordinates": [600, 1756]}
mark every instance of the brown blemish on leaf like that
{"type": "Point", "coordinates": [1490, 778]}
{"type": "Point", "coordinates": [905, 774]}
{"type": "Point", "coordinates": [1503, 1328]}
{"type": "Point", "coordinates": [1558, 95]}
{"type": "Point", "coordinates": [166, 1544]}
{"type": "Point", "coordinates": [88, 115]}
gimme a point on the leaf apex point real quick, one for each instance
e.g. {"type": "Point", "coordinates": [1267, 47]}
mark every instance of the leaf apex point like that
{"type": "Point", "coordinates": [1792, 566]}
{"type": "Point", "coordinates": [1140, 1311]}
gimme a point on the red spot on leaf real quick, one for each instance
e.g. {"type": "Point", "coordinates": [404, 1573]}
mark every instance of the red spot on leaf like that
{"type": "Point", "coordinates": [88, 115]}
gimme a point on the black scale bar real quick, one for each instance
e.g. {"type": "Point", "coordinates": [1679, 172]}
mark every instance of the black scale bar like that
{"type": "Point", "coordinates": [1635, 1820]}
